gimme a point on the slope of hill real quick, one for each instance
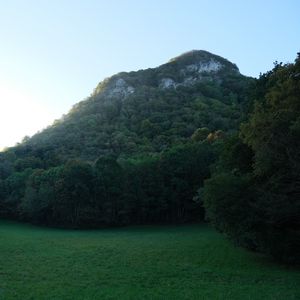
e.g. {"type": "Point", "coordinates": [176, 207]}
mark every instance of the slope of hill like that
{"type": "Point", "coordinates": [149, 110]}
{"type": "Point", "coordinates": [135, 151]}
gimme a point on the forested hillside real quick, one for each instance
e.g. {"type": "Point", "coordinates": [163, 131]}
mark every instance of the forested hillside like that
{"type": "Point", "coordinates": [254, 193]}
{"type": "Point", "coordinates": [148, 111]}
{"type": "Point", "coordinates": [135, 151]}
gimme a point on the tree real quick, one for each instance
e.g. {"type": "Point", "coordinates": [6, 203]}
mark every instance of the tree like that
{"type": "Point", "coordinates": [15, 186]}
{"type": "Point", "coordinates": [230, 205]}
{"type": "Point", "coordinates": [184, 168]}
{"type": "Point", "coordinates": [38, 202]}
{"type": "Point", "coordinates": [108, 190]}
{"type": "Point", "coordinates": [74, 194]}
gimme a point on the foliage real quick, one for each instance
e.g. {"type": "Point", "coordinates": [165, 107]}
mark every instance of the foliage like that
{"type": "Point", "coordinates": [107, 192]}
{"type": "Point", "coordinates": [109, 187]}
{"type": "Point", "coordinates": [149, 120]}
{"type": "Point", "coordinates": [133, 152]}
{"type": "Point", "coordinates": [263, 190]}
{"type": "Point", "coordinates": [230, 204]}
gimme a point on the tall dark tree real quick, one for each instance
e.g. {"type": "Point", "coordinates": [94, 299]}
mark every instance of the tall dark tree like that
{"type": "Point", "coordinates": [74, 193]}
{"type": "Point", "coordinates": [183, 169]}
{"type": "Point", "coordinates": [108, 190]}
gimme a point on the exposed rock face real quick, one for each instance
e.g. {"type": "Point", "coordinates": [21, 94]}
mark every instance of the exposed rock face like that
{"type": "Point", "coordinates": [166, 83]}
{"type": "Point", "coordinates": [200, 67]}
{"type": "Point", "coordinates": [185, 70]}
{"type": "Point", "coordinates": [192, 74]}
{"type": "Point", "coordinates": [119, 89]}
{"type": "Point", "coordinates": [188, 81]}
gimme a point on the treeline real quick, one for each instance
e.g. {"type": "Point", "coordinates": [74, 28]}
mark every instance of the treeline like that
{"type": "Point", "coordinates": [253, 195]}
{"type": "Point", "coordinates": [79, 194]}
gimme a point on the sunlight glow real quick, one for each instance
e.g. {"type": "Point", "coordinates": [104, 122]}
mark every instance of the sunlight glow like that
{"type": "Point", "coordinates": [20, 115]}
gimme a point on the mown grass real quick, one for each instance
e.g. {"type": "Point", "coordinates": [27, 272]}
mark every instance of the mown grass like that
{"type": "Point", "coordinates": [163, 262]}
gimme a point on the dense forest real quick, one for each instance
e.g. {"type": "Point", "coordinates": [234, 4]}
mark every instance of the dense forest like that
{"type": "Point", "coordinates": [253, 195]}
{"type": "Point", "coordinates": [191, 140]}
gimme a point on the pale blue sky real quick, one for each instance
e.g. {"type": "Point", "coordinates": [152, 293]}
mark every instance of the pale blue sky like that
{"type": "Point", "coordinates": [53, 53]}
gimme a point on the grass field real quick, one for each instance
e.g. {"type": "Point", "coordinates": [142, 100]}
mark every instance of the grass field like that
{"type": "Point", "coordinates": [174, 262]}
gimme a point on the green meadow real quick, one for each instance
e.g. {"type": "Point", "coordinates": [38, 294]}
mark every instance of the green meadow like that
{"type": "Point", "coordinates": [146, 262]}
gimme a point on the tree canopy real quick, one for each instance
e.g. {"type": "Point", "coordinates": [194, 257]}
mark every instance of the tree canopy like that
{"type": "Point", "coordinates": [259, 206]}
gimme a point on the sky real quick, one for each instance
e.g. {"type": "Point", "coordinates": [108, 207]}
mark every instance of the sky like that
{"type": "Point", "coordinates": [53, 53]}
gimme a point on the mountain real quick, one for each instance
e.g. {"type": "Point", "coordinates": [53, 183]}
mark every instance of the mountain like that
{"type": "Point", "coordinates": [146, 111]}
{"type": "Point", "coordinates": [135, 151]}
